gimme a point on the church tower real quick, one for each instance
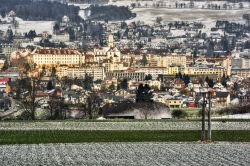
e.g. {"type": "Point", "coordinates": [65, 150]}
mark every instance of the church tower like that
{"type": "Point", "coordinates": [111, 40]}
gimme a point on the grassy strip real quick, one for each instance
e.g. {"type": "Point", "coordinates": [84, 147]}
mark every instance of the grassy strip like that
{"type": "Point", "coordinates": [60, 136]}
{"type": "Point", "coordinates": [130, 120]}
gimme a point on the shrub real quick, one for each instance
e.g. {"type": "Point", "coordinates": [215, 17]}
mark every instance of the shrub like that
{"type": "Point", "coordinates": [179, 114]}
{"type": "Point", "coordinates": [235, 110]}
{"type": "Point", "coordinates": [25, 115]}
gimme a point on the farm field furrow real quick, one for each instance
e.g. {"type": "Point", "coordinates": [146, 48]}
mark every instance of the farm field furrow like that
{"type": "Point", "coordinates": [126, 154]}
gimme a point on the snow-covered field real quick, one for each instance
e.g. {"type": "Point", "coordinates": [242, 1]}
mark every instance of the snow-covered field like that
{"type": "Point", "coordinates": [148, 15]}
{"type": "Point", "coordinates": [26, 26]}
{"type": "Point", "coordinates": [172, 3]}
{"type": "Point", "coordinates": [135, 154]}
{"type": "Point", "coordinates": [150, 125]}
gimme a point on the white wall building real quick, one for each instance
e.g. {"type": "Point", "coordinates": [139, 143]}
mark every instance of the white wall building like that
{"type": "Point", "coordinates": [51, 56]}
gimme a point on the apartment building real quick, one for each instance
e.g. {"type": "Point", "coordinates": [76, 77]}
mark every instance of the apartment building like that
{"type": "Point", "coordinates": [96, 72]}
{"type": "Point", "coordinates": [219, 71]}
{"type": "Point", "coordinates": [166, 61]}
{"type": "Point", "coordinates": [112, 66]}
{"type": "Point", "coordinates": [132, 75]}
{"type": "Point", "coordinates": [153, 71]}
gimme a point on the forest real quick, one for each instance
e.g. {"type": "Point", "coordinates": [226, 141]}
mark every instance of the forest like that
{"type": "Point", "coordinates": [89, 1]}
{"type": "Point", "coordinates": [110, 13]}
{"type": "Point", "coordinates": [31, 10]}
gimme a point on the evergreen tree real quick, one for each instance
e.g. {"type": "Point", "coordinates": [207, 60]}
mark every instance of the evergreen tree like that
{"type": "Point", "coordinates": [210, 49]}
{"type": "Point", "coordinates": [9, 35]}
{"type": "Point", "coordinates": [148, 77]}
{"type": "Point", "coordinates": [207, 79]}
{"type": "Point", "coordinates": [3, 13]}
{"type": "Point", "coordinates": [124, 84]}
{"type": "Point", "coordinates": [186, 79]}
{"type": "Point", "coordinates": [236, 86]}
{"type": "Point", "coordinates": [27, 67]}
{"type": "Point", "coordinates": [5, 65]}
{"type": "Point", "coordinates": [31, 34]}
{"type": "Point", "coordinates": [144, 93]}
{"type": "Point", "coordinates": [56, 27]}
{"type": "Point", "coordinates": [144, 60]}
{"type": "Point", "coordinates": [53, 72]}
{"type": "Point", "coordinates": [211, 83]}
{"type": "Point", "coordinates": [225, 44]}
{"type": "Point", "coordinates": [180, 75]}
{"type": "Point", "coordinates": [50, 85]}
{"type": "Point", "coordinates": [176, 76]}
{"type": "Point", "coordinates": [224, 80]}
{"type": "Point", "coordinates": [88, 82]}
{"type": "Point", "coordinates": [112, 87]}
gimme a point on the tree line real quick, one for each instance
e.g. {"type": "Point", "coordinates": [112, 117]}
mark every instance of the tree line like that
{"type": "Point", "coordinates": [39, 10]}
{"type": "Point", "coordinates": [110, 12]}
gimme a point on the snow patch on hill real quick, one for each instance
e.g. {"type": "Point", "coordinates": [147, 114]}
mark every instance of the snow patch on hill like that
{"type": "Point", "coordinates": [26, 26]}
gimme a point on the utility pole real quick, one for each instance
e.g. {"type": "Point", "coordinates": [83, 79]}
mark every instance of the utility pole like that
{"type": "Point", "coordinates": [203, 134]}
{"type": "Point", "coordinates": [209, 133]}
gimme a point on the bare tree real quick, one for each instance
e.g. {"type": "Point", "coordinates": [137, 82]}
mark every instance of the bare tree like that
{"type": "Point", "coordinates": [158, 20]}
{"type": "Point", "coordinates": [92, 104]}
{"type": "Point", "coordinates": [27, 95]}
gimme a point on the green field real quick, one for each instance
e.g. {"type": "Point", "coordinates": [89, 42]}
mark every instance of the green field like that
{"type": "Point", "coordinates": [62, 136]}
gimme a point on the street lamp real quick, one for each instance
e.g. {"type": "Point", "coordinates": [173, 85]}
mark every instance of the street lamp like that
{"type": "Point", "coordinates": [203, 94]}
{"type": "Point", "coordinates": [209, 132]}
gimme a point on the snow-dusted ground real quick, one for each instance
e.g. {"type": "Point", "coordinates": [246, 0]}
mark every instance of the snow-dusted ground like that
{"type": "Point", "coordinates": [148, 15]}
{"type": "Point", "coordinates": [134, 154]}
{"type": "Point", "coordinates": [133, 125]}
{"type": "Point", "coordinates": [26, 26]}
{"type": "Point", "coordinates": [236, 116]}
{"type": "Point", "coordinates": [172, 3]}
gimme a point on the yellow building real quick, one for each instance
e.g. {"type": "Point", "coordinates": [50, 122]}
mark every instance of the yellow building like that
{"type": "Point", "coordinates": [55, 57]}
{"type": "Point", "coordinates": [174, 103]}
{"type": "Point", "coordinates": [204, 71]}
{"type": "Point", "coordinates": [172, 70]}
{"type": "Point", "coordinates": [173, 59]}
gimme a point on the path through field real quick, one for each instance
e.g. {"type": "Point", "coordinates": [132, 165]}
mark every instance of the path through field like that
{"type": "Point", "coordinates": [126, 154]}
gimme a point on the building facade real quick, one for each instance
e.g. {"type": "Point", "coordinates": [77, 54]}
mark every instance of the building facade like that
{"type": "Point", "coordinates": [55, 57]}
{"type": "Point", "coordinates": [96, 72]}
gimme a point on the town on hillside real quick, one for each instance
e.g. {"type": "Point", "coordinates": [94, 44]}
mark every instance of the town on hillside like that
{"type": "Point", "coordinates": [126, 59]}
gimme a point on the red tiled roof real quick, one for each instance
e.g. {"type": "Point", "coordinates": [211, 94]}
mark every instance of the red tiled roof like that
{"type": "Point", "coordinates": [56, 51]}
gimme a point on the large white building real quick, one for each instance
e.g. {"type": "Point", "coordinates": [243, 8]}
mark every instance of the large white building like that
{"type": "Point", "coordinates": [55, 57]}
{"type": "Point", "coordinates": [104, 53]}
{"type": "Point", "coordinates": [96, 72]}
{"type": "Point", "coordinates": [153, 71]}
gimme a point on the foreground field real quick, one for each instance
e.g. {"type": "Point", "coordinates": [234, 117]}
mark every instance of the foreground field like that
{"type": "Point", "coordinates": [122, 125]}
{"type": "Point", "coordinates": [126, 154]}
{"type": "Point", "coordinates": [66, 136]}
